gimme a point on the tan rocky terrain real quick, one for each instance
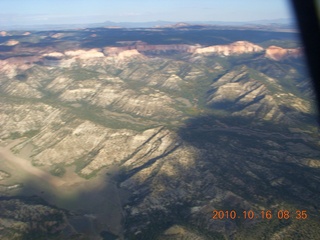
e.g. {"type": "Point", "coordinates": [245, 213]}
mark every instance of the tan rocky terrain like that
{"type": "Point", "coordinates": [278, 53]}
{"type": "Point", "coordinates": [144, 141]}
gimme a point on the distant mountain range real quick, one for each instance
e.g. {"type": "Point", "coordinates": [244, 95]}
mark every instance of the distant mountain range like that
{"type": "Point", "coordinates": [288, 23]}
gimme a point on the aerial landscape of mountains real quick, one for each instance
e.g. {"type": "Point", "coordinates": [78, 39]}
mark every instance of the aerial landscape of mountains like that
{"type": "Point", "coordinates": [151, 133]}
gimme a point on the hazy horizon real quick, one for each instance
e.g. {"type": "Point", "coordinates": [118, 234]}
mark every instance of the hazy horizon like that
{"type": "Point", "coordinates": [32, 12]}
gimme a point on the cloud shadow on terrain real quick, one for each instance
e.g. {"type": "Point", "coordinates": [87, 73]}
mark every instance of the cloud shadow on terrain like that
{"type": "Point", "coordinates": [254, 166]}
{"type": "Point", "coordinates": [236, 167]}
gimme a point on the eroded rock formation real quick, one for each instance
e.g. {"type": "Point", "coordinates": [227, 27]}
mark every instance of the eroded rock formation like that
{"type": "Point", "coordinates": [278, 53]}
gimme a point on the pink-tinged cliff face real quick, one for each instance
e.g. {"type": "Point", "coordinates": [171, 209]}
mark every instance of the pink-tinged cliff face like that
{"type": "Point", "coordinates": [12, 66]}
{"type": "Point", "coordinates": [278, 53]}
{"type": "Point", "coordinates": [239, 47]}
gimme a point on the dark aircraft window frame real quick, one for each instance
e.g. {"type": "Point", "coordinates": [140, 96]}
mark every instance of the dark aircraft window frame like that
{"type": "Point", "coordinates": [308, 22]}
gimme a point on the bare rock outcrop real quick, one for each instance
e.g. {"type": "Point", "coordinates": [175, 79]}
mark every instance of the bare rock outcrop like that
{"type": "Point", "coordinates": [85, 54]}
{"type": "Point", "coordinates": [236, 48]}
{"type": "Point", "coordinates": [278, 53]}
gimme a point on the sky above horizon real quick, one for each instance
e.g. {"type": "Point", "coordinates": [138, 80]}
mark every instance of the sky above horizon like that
{"type": "Point", "coordinates": [34, 12]}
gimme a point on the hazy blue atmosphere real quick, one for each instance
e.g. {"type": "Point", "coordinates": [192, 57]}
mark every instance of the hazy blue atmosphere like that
{"type": "Point", "coordinates": [27, 12]}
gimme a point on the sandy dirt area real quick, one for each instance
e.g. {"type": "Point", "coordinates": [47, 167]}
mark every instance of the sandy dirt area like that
{"type": "Point", "coordinates": [97, 200]}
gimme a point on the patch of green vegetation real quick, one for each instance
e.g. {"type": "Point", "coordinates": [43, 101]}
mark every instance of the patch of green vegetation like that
{"type": "Point", "coordinates": [80, 164]}
{"type": "Point", "coordinates": [236, 60]}
{"type": "Point", "coordinates": [160, 221]}
{"type": "Point", "coordinates": [289, 228]}
{"type": "Point", "coordinates": [83, 161]}
{"type": "Point", "coordinates": [256, 75]}
{"type": "Point", "coordinates": [58, 170]}
{"type": "Point", "coordinates": [262, 230]}
{"type": "Point", "coordinates": [94, 114]}
{"type": "Point", "coordinates": [31, 133]}
{"type": "Point", "coordinates": [196, 90]}
{"type": "Point", "coordinates": [80, 74]}
{"type": "Point", "coordinates": [135, 85]}
{"type": "Point", "coordinates": [193, 111]}
{"type": "Point", "coordinates": [15, 135]}
{"type": "Point", "coordinates": [223, 61]}
{"type": "Point", "coordinates": [28, 134]}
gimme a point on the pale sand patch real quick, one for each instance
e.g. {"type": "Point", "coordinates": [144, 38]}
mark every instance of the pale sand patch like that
{"type": "Point", "coordinates": [25, 165]}
{"type": "Point", "coordinates": [98, 197]}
